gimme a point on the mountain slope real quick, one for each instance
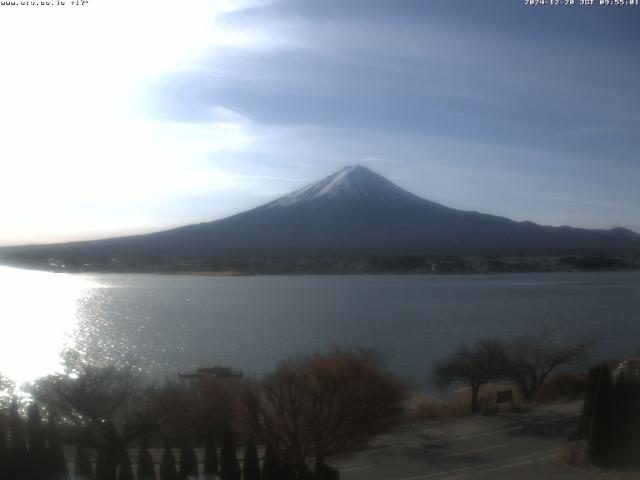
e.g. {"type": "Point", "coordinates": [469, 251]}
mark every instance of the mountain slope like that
{"type": "Point", "coordinates": [353, 212]}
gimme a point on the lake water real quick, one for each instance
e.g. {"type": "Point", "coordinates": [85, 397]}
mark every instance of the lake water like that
{"type": "Point", "coordinates": [170, 323]}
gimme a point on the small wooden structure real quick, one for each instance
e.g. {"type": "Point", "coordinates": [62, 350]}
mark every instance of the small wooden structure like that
{"type": "Point", "coordinates": [504, 396]}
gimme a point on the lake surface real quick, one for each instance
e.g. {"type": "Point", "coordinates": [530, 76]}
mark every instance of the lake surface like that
{"type": "Point", "coordinates": [170, 323]}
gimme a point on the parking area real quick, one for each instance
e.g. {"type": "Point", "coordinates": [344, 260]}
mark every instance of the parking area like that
{"type": "Point", "coordinates": [505, 446]}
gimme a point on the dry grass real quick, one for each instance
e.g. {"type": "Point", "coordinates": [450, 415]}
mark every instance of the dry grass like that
{"type": "Point", "coordinates": [460, 403]}
{"type": "Point", "coordinates": [424, 407]}
{"type": "Point", "coordinates": [563, 387]}
{"type": "Point", "coordinates": [573, 455]}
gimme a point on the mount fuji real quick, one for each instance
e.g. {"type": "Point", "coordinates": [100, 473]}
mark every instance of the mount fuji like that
{"type": "Point", "coordinates": [354, 212]}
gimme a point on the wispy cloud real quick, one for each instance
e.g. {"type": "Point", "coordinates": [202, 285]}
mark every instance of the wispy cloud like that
{"type": "Point", "coordinates": [593, 131]}
{"type": "Point", "coordinates": [206, 108]}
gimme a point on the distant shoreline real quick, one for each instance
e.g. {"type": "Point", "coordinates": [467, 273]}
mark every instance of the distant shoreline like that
{"type": "Point", "coordinates": [212, 273]}
{"type": "Point", "coordinates": [351, 274]}
{"type": "Point", "coordinates": [301, 272]}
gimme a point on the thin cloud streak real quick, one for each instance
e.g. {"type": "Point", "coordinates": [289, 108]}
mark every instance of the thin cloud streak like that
{"type": "Point", "coordinates": [258, 98]}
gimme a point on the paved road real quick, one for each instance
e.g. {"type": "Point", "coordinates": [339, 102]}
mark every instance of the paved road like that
{"type": "Point", "coordinates": [504, 446]}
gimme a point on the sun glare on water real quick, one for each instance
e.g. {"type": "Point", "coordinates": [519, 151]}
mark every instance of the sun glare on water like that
{"type": "Point", "coordinates": [38, 314]}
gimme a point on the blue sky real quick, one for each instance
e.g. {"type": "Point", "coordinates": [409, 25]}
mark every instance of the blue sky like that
{"type": "Point", "coordinates": [191, 110]}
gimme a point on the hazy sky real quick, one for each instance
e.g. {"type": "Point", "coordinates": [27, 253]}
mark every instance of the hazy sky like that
{"type": "Point", "coordinates": [126, 116]}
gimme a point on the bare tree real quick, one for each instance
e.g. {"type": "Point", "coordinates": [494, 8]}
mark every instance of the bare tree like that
{"type": "Point", "coordinates": [532, 358]}
{"type": "Point", "coordinates": [7, 389]}
{"type": "Point", "coordinates": [180, 405]}
{"type": "Point", "coordinates": [196, 408]}
{"type": "Point", "coordinates": [321, 404]}
{"type": "Point", "coordinates": [475, 365]}
{"type": "Point", "coordinates": [111, 406]}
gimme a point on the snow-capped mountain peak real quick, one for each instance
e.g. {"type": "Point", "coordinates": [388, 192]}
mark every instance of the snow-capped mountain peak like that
{"type": "Point", "coordinates": [351, 183]}
{"type": "Point", "coordinates": [353, 212]}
